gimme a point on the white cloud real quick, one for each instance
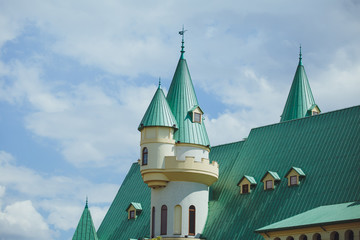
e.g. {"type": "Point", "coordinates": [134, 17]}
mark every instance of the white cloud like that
{"type": "Point", "coordinates": [20, 220]}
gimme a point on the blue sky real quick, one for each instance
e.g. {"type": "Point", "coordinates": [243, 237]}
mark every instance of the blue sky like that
{"type": "Point", "coordinates": [76, 78]}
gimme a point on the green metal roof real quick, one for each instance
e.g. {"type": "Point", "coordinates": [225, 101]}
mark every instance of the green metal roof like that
{"type": "Point", "coordinates": [116, 224]}
{"type": "Point", "coordinates": [181, 98]}
{"type": "Point", "coordinates": [326, 145]}
{"type": "Point", "coordinates": [300, 98]}
{"type": "Point", "coordinates": [158, 112]}
{"type": "Point", "coordinates": [85, 229]}
{"type": "Point", "coordinates": [324, 215]}
{"type": "Point", "coordinates": [298, 170]}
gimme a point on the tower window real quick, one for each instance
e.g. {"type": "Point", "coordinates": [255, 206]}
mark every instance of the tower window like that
{"type": "Point", "coordinates": [192, 220]}
{"type": "Point", "coordinates": [163, 230]}
{"type": "Point", "coordinates": [153, 223]}
{"type": "Point", "coordinates": [132, 214]}
{"type": "Point", "coordinates": [197, 117]}
{"type": "Point", "coordinates": [145, 156]}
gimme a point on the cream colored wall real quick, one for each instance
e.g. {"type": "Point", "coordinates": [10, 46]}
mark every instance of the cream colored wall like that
{"type": "Point", "coordinates": [293, 173]}
{"type": "Point", "coordinates": [191, 150]}
{"type": "Point", "coordinates": [324, 231]}
{"type": "Point", "coordinates": [268, 177]}
{"type": "Point", "coordinates": [243, 182]}
{"type": "Point", "coordinates": [131, 208]}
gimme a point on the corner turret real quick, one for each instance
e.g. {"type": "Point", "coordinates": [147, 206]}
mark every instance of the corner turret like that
{"type": "Point", "coordinates": [300, 102]}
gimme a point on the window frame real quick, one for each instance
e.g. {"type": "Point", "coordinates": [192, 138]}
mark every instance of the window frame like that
{"type": "Point", "coordinates": [192, 219]}
{"type": "Point", "coordinates": [291, 180]}
{"type": "Point", "coordinates": [132, 214]}
{"type": "Point", "coordinates": [245, 187]}
{"type": "Point", "coordinates": [163, 222]}
{"type": "Point", "coordinates": [195, 115]}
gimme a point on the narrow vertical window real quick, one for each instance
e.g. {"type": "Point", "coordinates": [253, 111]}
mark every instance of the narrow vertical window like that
{"type": "Point", "coordinates": [334, 236]}
{"type": "Point", "coordinates": [349, 235]}
{"type": "Point", "coordinates": [192, 220]}
{"type": "Point", "coordinates": [245, 188]}
{"type": "Point", "coordinates": [132, 214]}
{"type": "Point", "coordinates": [145, 156]}
{"type": "Point", "coordinates": [177, 220]}
{"type": "Point", "coordinates": [153, 223]}
{"type": "Point", "coordinates": [197, 117]}
{"type": "Point", "coordinates": [163, 230]}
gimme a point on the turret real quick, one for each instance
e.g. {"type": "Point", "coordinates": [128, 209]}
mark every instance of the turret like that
{"type": "Point", "coordinates": [85, 229]}
{"type": "Point", "coordinates": [300, 102]}
{"type": "Point", "coordinates": [175, 158]}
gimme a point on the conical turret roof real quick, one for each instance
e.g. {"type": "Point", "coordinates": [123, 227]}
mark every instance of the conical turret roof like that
{"type": "Point", "coordinates": [85, 229]}
{"type": "Point", "coordinates": [158, 113]}
{"type": "Point", "coordinates": [300, 99]}
{"type": "Point", "coordinates": [182, 99]}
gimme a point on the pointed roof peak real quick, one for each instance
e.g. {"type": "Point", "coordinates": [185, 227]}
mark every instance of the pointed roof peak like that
{"type": "Point", "coordinates": [159, 83]}
{"type": "Point", "coordinates": [85, 229]}
{"type": "Point", "coordinates": [182, 33]}
{"type": "Point", "coordinates": [300, 56]}
{"type": "Point", "coordinates": [86, 203]}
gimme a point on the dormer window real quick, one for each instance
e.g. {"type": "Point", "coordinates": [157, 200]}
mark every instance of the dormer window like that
{"type": "Point", "coordinates": [196, 114]}
{"type": "Point", "coordinates": [270, 179]}
{"type": "Point", "coordinates": [294, 176]}
{"type": "Point", "coordinates": [313, 110]}
{"type": "Point", "coordinates": [134, 209]}
{"type": "Point", "coordinates": [246, 183]}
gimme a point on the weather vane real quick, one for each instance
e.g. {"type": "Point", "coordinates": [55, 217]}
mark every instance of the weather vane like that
{"type": "Point", "coordinates": [182, 33]}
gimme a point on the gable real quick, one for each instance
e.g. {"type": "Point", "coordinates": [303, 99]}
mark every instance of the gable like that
{"type": "Point", "coordinates": [325, 145]}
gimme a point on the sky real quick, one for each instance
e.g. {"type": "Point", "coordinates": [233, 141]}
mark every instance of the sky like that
{"type": "Point", "coordinates": [76, 78]}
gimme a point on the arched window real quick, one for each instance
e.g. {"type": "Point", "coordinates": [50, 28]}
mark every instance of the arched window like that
{"type": "Point", "coordinates": [334, 236]}
{"type": "Point", "coordinates": [153, 223]}
{"type": "Point", "coordinates": [303, 237]}
{"type": "Point", "coordinates": [145, 156]}
{"type": "Point", "coordinates": [163, 230]}
{"type": "Point", "coordinates": [177, 220]}
{"type": "Point", "coordinates": [192, 220]}
{"type": "Point", "coordinates": [316, 236]}
{"type": "Point", "coordinates": [289, 238]}
{"type": "Point", "coordinates": [349, 235]}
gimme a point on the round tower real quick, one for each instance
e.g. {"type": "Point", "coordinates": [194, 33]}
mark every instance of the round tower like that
{"type": "Point", "coordinates": [175, 158]}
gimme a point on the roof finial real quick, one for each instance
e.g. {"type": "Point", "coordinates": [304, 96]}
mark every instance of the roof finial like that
{"type": "Point", "coordinates": [300, 56]}
{"type": "Point", "coordinates": [159, 82]}
{"type": "Point", "coordinates": [182, 32]}
{"type": "Point", "coordinates": [86, 204]}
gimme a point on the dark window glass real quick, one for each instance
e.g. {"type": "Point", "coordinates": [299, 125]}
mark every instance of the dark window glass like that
{"type": "Point", "coordinates": [192, 220]}
{"type": "Point", "coordinates": [245, 188]}
{"type": "Point", "coordinates": [153, 223]}
{"type": "Point", "coordinates": [269, 184]}
{"type": "Point", "coordinates": [197, 117]}
{"type": "Point", "coordinates": [317, 236]}
{"type": "Point", "coordinates": [349, 235]}
{"type": "Point", "coordinates": [132, 214]}
{"type": "Point", "coordinates": [303, 237]}
{"type": "Point", "coordinates": [334, 236]}
{"type": "Point", "coordinates": [145, 156]}
{"type": "Point", "coordinates": [163, 230]}
{"type": "Point", "coordinates": [293, 180]}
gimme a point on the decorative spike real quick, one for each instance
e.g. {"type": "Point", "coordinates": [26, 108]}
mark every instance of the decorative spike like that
{"type": "Point", "coordinates": [300, 57]}
{"type": "Point", "coordinates": [159, 82]}
{"type": "Point", "coordinates": [86, 204]}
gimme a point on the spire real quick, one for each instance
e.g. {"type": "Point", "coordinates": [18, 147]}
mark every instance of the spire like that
{"type": "Point", "coordinates": [300, 100]}
{"type": "Point", "coordinates": [182, 99]}
{"type": "Point", "coordinates": [182, 33]}
{"type": "Point", "coordinates": [158, 112]}
{"type": "Point", "coordinates": [85, 229]}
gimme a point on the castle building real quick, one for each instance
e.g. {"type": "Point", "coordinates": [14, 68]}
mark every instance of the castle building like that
{"type": "Point", "coordinates": [296, 179]}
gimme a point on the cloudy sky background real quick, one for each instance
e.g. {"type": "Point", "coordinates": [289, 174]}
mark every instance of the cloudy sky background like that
{"type": "Point", "coordinates": [76, 78]}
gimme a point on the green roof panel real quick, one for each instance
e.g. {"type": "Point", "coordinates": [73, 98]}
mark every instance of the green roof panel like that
{"type": "Point", "coordinates": [326, 145]}
{"type": "Point", "coordinates": [324, 215]}
{"type": "Point", "coordinates": [300, 98]}
{"type": "Point", "coordinates": [158, 113]}
{"type": "Point", "coordinates": [182, 98]}
{"type": "Point", "coordinates": [85, 229]}
{"type": "Point", "coordinates": [116, 224]}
